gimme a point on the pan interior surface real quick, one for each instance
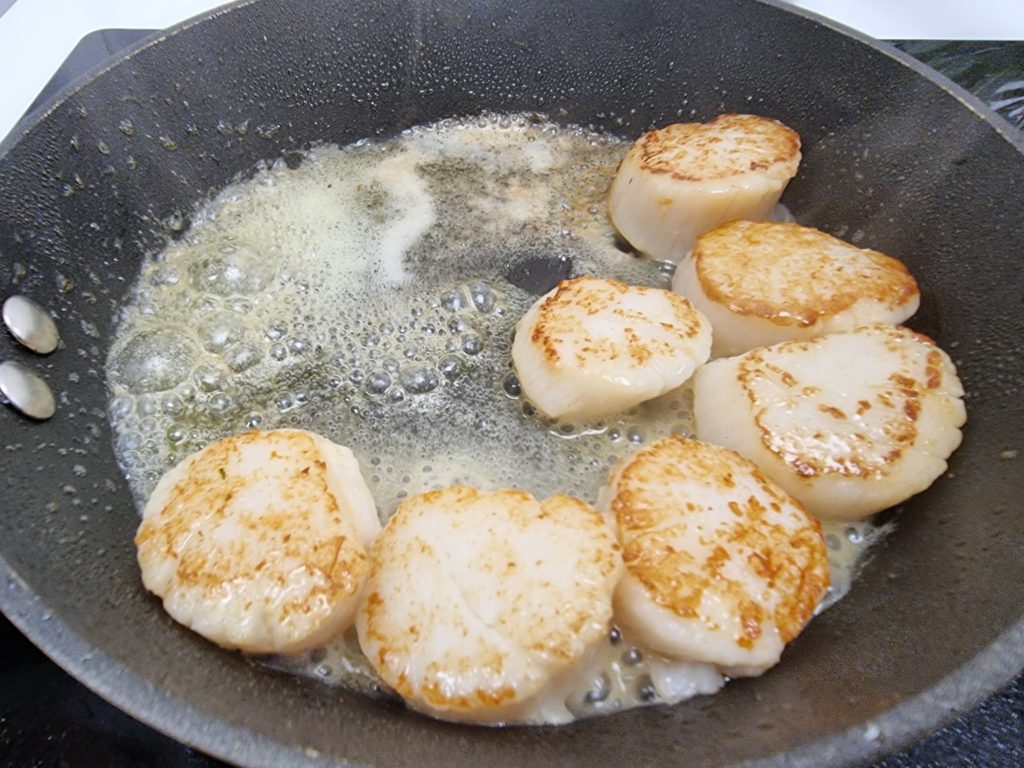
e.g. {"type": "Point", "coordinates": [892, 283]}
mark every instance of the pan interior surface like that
{"type": "Point", "coordinates": [892, 160]}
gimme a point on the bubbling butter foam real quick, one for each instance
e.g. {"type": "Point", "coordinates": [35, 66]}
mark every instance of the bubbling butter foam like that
{"type": "Point", "coordinates": [366, 295]}
{"type": "Point", "coordinates": [370, 294]}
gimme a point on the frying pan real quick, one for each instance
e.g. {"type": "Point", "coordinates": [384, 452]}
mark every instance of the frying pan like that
{"type": "Point", "coordinates": [895, 157]}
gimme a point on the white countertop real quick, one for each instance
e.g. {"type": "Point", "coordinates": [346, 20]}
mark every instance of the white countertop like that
{"type": "Point", "coordinates": [37, 35]}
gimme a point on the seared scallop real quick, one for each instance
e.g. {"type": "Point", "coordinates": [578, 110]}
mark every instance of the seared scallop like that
{"type": "Point", "coordinates": [849, 423]}
{"type": "Point", "coordinates": [684, 179]}
{"type": "Point", "coordinates": [480, 605]}
{"type": "Point", "coordinates": [258, 542]}
{"type": "Point", "coordinates": [593, 347]}
{"type": "Point", "coordinates": [760, 283]}
{"type": "Point", "coordinates": [722, 566]}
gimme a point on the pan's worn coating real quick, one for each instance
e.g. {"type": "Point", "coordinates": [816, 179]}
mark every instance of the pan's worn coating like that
{"type": "Point", "coordinates": [893, 158]}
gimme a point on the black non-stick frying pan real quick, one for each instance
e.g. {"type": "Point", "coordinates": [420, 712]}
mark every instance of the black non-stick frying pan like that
{"type": "Point", "coordinates": [912, 164]}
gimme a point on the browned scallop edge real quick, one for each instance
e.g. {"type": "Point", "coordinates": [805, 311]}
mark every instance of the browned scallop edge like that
{"type": "Point", "coordinates": [803, 563]}
{"type": "Point", "coordinates": [433, 691]}
{"type": "Point", "coordinates": [651, 146]}
{"type": "Point", "coordinates": [904, 433]}
{"type": "Point", "coordinates": [730, 241]}
{"type": "Point", "coordinates": [205, 484]}
{"type": "Point", "coordinates": [596, 295]}
{"type": "Point", "coordinates": [606, 563]}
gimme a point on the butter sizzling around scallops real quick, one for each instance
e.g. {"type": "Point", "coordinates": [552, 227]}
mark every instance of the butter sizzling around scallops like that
{"type": "Point", "coordinates": [246, 319]}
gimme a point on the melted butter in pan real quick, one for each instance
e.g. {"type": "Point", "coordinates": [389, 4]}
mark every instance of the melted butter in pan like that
{"type": "Point", "coordinates": [370, 294]}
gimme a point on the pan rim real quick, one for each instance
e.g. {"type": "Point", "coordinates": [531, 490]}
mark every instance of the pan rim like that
{"type": "Point", "coordinates": [34, 117]}
{"type": "Point", "coordinates": [1001, 125]}
{"type": "Point", "coordinates": [900, 726]}
{"type": "Point", "coordinates": [985, 673]}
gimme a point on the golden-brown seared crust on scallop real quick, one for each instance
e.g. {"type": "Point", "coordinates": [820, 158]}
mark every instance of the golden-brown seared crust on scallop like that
{"type": "Point", "coordinates": [729, 145]}
{"type": "Point", "coordinates": [566, 337]}
{"type": "Point", "coordinates": [247, 544]}
{"type": "Point", "coordinates": [849, 423]}
{"type": "Point", "coordinates": [705, 532]}
{"type": "Point", "coordinates": [477, 601]}
{"type": "Point", "coordinates": [679, 181]}
{"type": "Point", "coordinates": [793, 275]}
{"type": "Point", "coordinates": [874, 432]}
{"type": "Point", "coordinates": [592, 347]}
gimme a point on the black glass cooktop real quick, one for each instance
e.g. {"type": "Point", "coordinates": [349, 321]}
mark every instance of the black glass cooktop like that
{"type": "Point", "coordinates": [49, 719]}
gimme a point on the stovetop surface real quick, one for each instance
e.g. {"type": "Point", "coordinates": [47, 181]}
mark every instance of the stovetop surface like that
{"type": "Point", "coordinates": [49, 719]}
